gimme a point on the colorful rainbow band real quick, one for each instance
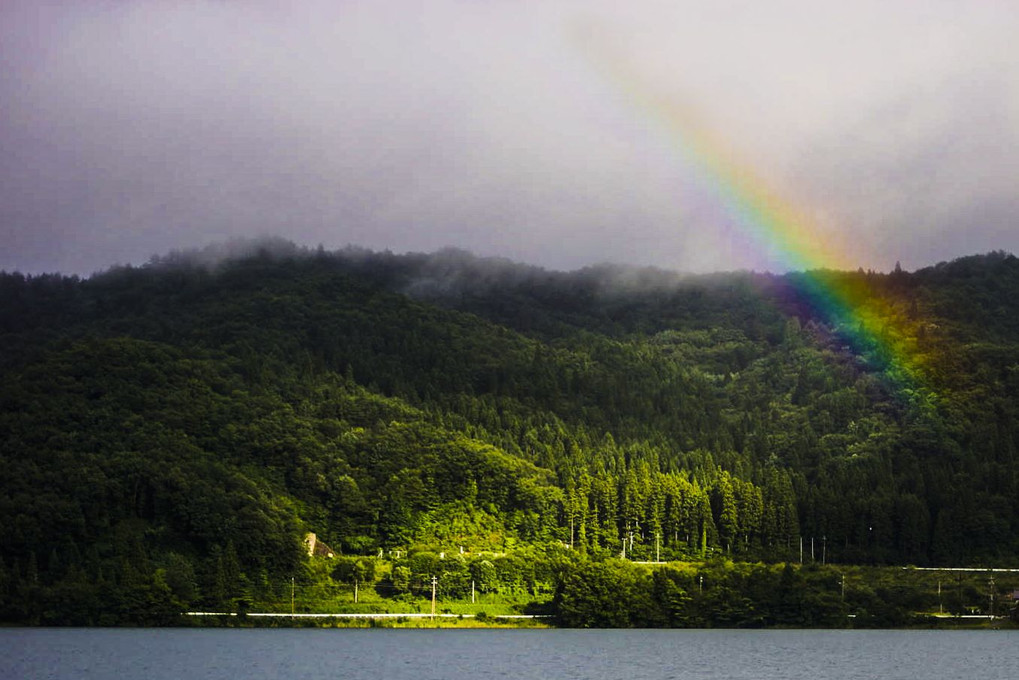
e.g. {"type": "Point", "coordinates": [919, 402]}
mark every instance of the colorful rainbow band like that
{"type": "Point", "coordinates": [871, 324]}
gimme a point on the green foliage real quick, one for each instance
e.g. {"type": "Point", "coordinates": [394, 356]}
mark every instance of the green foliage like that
{"type": "Point", "coordinates": [603, 595]}
{"type": "Point", "coordinates": [169, 433]}
{"type": "Point", "coordinates": [737, 595]}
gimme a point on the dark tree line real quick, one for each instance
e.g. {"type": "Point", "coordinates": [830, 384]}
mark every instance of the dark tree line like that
{"type": "Point", "coordinates": [173, 430]}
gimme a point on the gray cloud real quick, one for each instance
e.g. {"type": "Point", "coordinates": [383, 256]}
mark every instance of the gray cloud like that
{"type": "Point", "coordinates": [132, 128]}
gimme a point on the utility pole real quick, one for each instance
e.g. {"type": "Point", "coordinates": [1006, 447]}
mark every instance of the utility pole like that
{"type": "Point", "coordinates": [435, 582]}
{"type": "Point", "coordinates": [961, 609]}
{"type": "Point", "coordinates": [824, 549]}
{"type": "Point", "coordinates": [292, 587]}
{"type": "Point", "coordinates": [472, 591]}
{"type": "Point", "coordinates": [355, 591]}
{"type": "Point", "coordinates": [811, 548]}
{"type": "Point", "coordinates": [941, 608]}
{"type": "Point", "coordinates": [658, 557]}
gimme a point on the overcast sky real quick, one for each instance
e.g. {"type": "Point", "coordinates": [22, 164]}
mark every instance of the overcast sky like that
{"type": "Point", "coordinates": [131, 128]}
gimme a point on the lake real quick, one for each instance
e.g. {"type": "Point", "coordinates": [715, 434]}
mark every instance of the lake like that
{"type": "Point", "coordinates": [356, 654]}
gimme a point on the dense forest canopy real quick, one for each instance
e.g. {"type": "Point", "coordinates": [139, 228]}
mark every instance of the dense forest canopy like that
{"type": "Point", "coordinates": [177, 428]}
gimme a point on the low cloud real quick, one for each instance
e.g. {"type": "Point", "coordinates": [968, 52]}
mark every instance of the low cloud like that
{"type": "Point", "coordinates": [132, 128]}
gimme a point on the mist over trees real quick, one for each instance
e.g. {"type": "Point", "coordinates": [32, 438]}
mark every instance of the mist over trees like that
{"type": "Point", "coordinates": [170, 432]}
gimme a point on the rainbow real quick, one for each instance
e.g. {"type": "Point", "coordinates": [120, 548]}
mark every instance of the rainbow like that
{"type": "Point", "coordinates": [774, 224]}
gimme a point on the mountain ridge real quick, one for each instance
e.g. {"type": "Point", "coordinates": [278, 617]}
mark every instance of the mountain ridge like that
{"type": "Point", "coordinates": [196, 420]}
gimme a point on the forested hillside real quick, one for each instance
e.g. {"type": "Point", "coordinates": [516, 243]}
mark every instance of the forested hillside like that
{"type": "Point", "coordinates": [175, 429]}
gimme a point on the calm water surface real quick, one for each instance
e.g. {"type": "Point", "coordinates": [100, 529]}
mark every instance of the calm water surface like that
{"type": "Point", "coordinates": [197, 654]}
